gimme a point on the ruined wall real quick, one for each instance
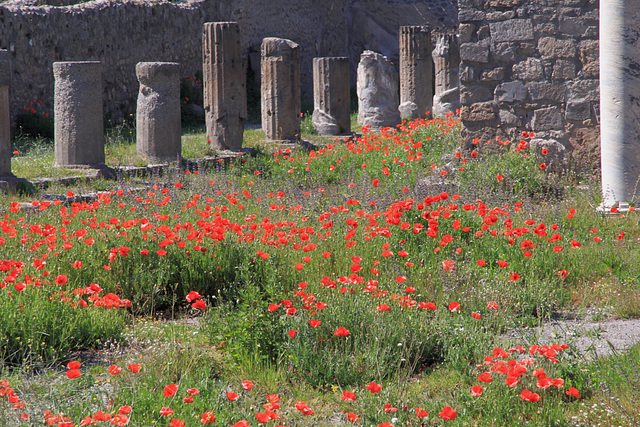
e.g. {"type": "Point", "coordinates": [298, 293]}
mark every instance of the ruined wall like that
{"type": "Point", "coordinates": [121, 33]}
{"type": "Point", "coordinates": [531, 65]}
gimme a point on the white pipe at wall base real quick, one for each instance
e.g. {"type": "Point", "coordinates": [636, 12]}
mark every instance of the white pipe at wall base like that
{"type": "Point", "coordinates": [619, 101]}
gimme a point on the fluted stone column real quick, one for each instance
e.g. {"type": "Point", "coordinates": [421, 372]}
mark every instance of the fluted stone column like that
{"type": "Point", "coordinates": [78, 121]}
{"type": "Point", "coordinates": [619, 110]}
{"type": "Point", "coordinates": [5, 122]}
{"type": "Point", "coordinates": [331, 96]}
{"type": "Point", "coordinates": [158, 125]}
{"type": "Point", "coordinates": [280, 63]}
{"type": "Point", "coordinates": [446, 59]}
{"type": "Point", "coordinates": [416, 93]}
{"type": "Point", "coordinates": [225, 92]}
{"type": "Point", "coordinates": [377, 92]}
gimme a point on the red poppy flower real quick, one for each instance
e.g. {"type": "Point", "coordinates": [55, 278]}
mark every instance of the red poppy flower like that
{"type": "Point", "coordinates": [514, 276]}
{"type": "Point", "coordinates": [373, 387]}
{"type": "Point", "coordinates": [114, 370]}
{"type": "Point", "coordinates": [193, 391]}
{"type": "Point", "coordinates": [292, 333]}
{"type": "Point", "coordinates": [421, 413]}
{"type": "Point", "coordinates": [481, 263]}
{"type": "Point", "coordinates": [476, 315]}
{"type": "Point", "coordinates": [448, 413]}
{"type": "Point", "coordinates": [427, 305]}
{"type": "Point", "coordinates": [193, 295]}
{"type": "Point", "coordinates": [134, 367]}
{"type": "Point", "coordinates": [208, 418]}
{"type": "Point", "coordinates": [492, 305]}
{"type": "Point", "coordinates": [476, 390]}
{"type": "Point", "coordinates": [241, 423]}
{"type": "Point", "coordinates": [101, 416]}
{"type": "Point", "coordinates": [485, 377]}
{"type": "Point", "coordinates": [448, 265]}
{"type": "Point", "coordinates": [341, 332]}
{"type": "Point", "coordinates": [348, 395]}
{"type": "Point", "coordinates": [200, 304]}
{"type": "Point", "coordinates": [166, 411]}
{"type": "Point", "coordinates": [351, 417]}
{"type": "Point", "coordinates": [273, 307]}
{"type": "Point", "coordinates": [383, 307]}
{"type": "Point", "coordinates": [247, 385]}
{"type": "Point", "coordinates": [315, 323]}
{"type": "Point", "coordinates": [543, 166]}
{"type": "Point", "coordinates": [232, 396]}
{"type": "Point", "coordinates": [572, 391]}
{"type": "Point", "coordinates": [529, 396]}
{"type": "Point", "coordinates": [453, 306]}
{"type": "Point", "coordinates": [73, 373]}
{"type": "Point", "coordinates": [125, 409]}
{"type": "Point", "coordinates": [170, 390]}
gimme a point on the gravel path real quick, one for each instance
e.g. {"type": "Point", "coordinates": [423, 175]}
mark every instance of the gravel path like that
{"type": "Point", "coordinates": [592, 339]}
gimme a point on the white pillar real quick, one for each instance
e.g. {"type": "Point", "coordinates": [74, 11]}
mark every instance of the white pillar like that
{"type": "Point", "coordinates": [619, 110]}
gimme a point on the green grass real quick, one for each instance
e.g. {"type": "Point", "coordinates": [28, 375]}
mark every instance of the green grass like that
{"type": "Point", "coordinates": [321, 272]}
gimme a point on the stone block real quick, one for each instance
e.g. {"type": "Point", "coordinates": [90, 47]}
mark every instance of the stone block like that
{"type": "Point", "coordinates": [470, 15]}
{"type": "Point", "coordinates": [573, 25]}
{"type": "Point", "coordinates": [563, 70]}
{"type": "Point", "coordinates": [465, 31]}
{"type": "Point", "coordinates": [493, 75]}
{"type": "Point", "coordinates": [447, 102]}
{"type": "Point", "coordinates": [589, 58]}
{"type": "Point", "coordinates": [512, 30]}
{"type": "Point", "coordinates": [530, 69]}
{"type": "Point", "coordinates": [549, 118]}
{"type": "Point", "coordinates": [546, 91]}
{"type": "Point", "coordinates": [377, 88]}
{"type": "Point", "coordinates": [501, 16]}
{"type": "Point", "coordinates": [510, 92]}
{"type": "Point", "coordinates": [503, 52]}
{"type": "Point", "coordinates": [508, 118]}
{"type": "Point", "coordinates": [470, 94]}
{"type": "Point", "coordinates": [482, 111]}
{"type": "Point", "coordinates": [578, 111]}
{"type": "Point", "coordinates": [583, 90]}
{"type": "Point", "coordinates": [467, 74]}
{"type": "Point", "coordinates": [505, 3]}
{"type": "Point", "coordinates": [556, 159]}
{"type": "Point", "coordinates": [475, 52]}
{"type": "Point", "coordinates": [551, 47]}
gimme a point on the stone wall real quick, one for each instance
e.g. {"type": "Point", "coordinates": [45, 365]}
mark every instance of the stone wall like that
{"type": "Point", "coordinates": [531, 65]}
{"type": "Point", "coordinates": [122, 33]}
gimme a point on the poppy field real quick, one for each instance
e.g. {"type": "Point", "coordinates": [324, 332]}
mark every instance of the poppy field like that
{"type": "Point", "coordinates": [371, 281]}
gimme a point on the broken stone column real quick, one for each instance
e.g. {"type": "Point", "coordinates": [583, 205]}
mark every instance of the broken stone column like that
{"type": "Point", "coordinates": [446, 59]}
{"type": "Point", "coordinates": [158, 125]}
{"type": "Point", "coordinates": [5, 123]}
{"type": "Point", "coordinates": [78, 121]}
{"type": "Point", "coordinates": [280, 63]}
{"type": "Point", "coordinates": [377, 88]}
{"type": "Point", "coordinates": [225, 92]}
{"type": "Point", "coordinates": [619, 92]}
{"type": "Point", "coordinates": [331, 97]}
{"type": "Point", "coordinates": [416, 93]}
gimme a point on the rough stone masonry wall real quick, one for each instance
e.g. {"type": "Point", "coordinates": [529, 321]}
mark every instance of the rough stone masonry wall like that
{"type": "Point", "coordinates": [531, 65]}
{"type": "Point", "coordinates": [121, 33]}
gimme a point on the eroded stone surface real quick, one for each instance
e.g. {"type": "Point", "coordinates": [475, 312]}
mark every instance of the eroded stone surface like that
{"type": "Point", "coordinates": [280, 59]}
{"type": "Point", "coordinates": [446, 59]}
{"type": "Point", "coordinates": [78, 120]}
{"type": "Point", "coordinates": [331, 95]}
{"type": "Point", "coordinates": [224, 85]}
{"type": "Point", "coordinates": [377, 91]}
{"type": "Point", "coordinates": [5, 120]}
{"type": "Point", "coordinates": [158, 125]}
{"type": "Point", "coordinates": [416, 95]}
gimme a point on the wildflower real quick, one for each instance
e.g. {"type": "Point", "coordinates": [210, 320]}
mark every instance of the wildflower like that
{"type": "Point", "coordinates": [476, 390]}
{"type": "Point", "coordinates": [134, 367]}
{"type": "Point", "coordinates": [315, 323]}
{"type": "Point", "coordinates": [348, 395]}
{"type": "Point", "coordinates": [475, 315]}
{"type": "Point", "coordinates": [351, 417]}
{"type": "Point", "coordinates": [572, 391]}
{"type": "Point", "coordinates": [529, 396]}
{"type": "Point", "coordinates": [421, 413]}
{"type": "Point", "coordinates": [170, 390]}
{"type": "Point", "coordinates": [454, 306]}
{"type": "Point", "coordinates": [373, 387]}
{"type": "Point", "coordinates": [232, 396]}
{"type": "Point", "coordinates": [341, 332]}
{"type": "Point", "coordinates": [427, 305]}
{"type": "Point", "coordinates": [114, 370]}
{"type": "Point", "coordinates": [292, 333]}
{"type": "Point", "coordinates": [166, 411]}
{"type": "Point", "coordinates": [193, 295]}
{"type": "Point", "coordinates": [208, 418]}
{"type": "Point", "coordinates": [247, 385]}
{"type": "Point", "coordinates": [485, 377]}
{"type": "Point", "coordinates": [448, 413]}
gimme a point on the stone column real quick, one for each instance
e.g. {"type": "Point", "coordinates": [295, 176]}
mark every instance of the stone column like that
{"type": "Point", "coordinates": [5, 122]}
{"type": "Point", "coordinates": [78, 121]}
{"type": "Point", "coordinates": [619, 92]}
{"type": "Point", "coordinates": [446, 59]}
{"type": "Point", "coordinates": [225, 92]}
{"type": "Point", "coordinates": [158, 125]}
{"type": "Point", "coordinates": [331, 96]}
{"type": "Point", "coordinates": [280, 63]}
{"type": "Point", "coordinates": [416, 94]}
{"type": "Point", "coordinates": [377, 92]}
